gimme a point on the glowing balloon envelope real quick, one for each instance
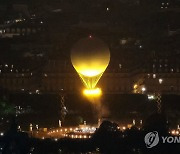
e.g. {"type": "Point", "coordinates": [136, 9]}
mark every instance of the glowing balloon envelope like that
{"type": "Point", "coordinates": [90, 58]}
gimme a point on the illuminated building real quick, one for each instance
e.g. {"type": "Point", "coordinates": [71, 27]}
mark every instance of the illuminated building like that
{"type": "Point", "coordinates": [52, 80]}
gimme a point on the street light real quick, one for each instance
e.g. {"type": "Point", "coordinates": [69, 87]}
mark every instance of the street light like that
{"type": "Point", "coordinates": [143, 89]}
{"type": "Point", "coordinates": [159, 96]}
{"type": "Point", "coordinates": [160, 81]}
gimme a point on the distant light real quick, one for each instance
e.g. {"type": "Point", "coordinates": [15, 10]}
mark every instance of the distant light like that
{"type": "Point", "coordinates": [160, 81]}
{"type": "Point", "coordinates": [178, 127]}
{"type": "Point", "coordinates": [55, 139]}
{"type": "Point", "coordinates": [134, 122]}
{"type": "Point", "coordinates": [151, 97]}
{"type": "Point", "coordinates": [19, 127]}
{"type": "Point", "coordinates": [41, 22]}
{"type": "Point", "coordinates": [37, 91]}
{"type": "Point", "coordinates": [92, 92]}
{"type": "Point", "coordinates": [90, 36]}
{"type": "Point", "coordinates": [107, 9]}
{"type": "Point", "coordinates": [135, 86]}
{"type": "Point", "coordinates": [57, 10]}
{"type": "Point", "coordinates": [141, 121]}
{"type": "Point", "coordinates": [173, 132]}
{"type": "Point", "coordinates": [93, 128]}
{"type": "Point", "coordinates": [123, 127]}
{"type": "Point", "coordinates": [154, 76]}
{"type": "Point", "coordinates": [143, 89]}
{"type": "Point", "coordinates": [1, 134]}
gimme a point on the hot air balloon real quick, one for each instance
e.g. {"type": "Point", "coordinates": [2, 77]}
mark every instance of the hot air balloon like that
{"type": "Point", "coordinates": [90, 58]}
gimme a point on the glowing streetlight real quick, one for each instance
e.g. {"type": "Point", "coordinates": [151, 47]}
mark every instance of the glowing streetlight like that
{"type": "Point", "coordinates": [143, 89]}
{"type": "Point", "coordinates": [160, 81]}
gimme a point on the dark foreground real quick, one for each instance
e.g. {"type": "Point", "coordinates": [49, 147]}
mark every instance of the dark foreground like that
{"type": "Point", "coordinates": [108, 139]}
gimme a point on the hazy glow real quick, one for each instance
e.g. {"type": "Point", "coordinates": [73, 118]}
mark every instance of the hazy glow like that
{"type": "Point", "coordinates": [92, 92]}
{"type": "Point", "coordinates": [135, 86]}
{"type": "Point", "coordinates": [90, 57]}
{"type": "Point", "coordinates": [90, 73]}
{"type": "Point", "coordinates": [143, 89]}
{"type": "Point", "coordinates": [160, 81]}
{"type": "Point", "coordinates": [151, 97]}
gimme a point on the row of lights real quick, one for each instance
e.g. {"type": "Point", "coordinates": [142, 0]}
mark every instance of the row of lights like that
{"type": "Point", "coordinates": [61, 130]}
{"type": "Point", "coordinates": [14, 21]}
{"type": "Point", "coordinates": [36, 91]}
{"type": "Point", "coordinates": [164, 5]}
{"type": "Point", "coordinates": [85, 129]}
{"type": "Point", "coordinates": [175, 132]}
{"type": "Point", "coordinates": [11, 67]}
{"type": "Point", "coordinates": [78, 136]}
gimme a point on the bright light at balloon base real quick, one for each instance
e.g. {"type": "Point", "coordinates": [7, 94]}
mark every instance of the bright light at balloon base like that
{"type": "Point", "coordinates": [92, 92]}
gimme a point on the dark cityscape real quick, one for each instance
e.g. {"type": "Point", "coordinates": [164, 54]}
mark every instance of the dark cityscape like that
{"type": "Point", "coordinates": [89, 76]}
